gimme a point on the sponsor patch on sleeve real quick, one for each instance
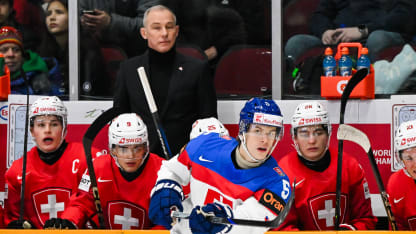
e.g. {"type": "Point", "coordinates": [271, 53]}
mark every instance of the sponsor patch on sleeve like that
{"type": "Point", "coordinates": [85, 183]}
{"type": "Point", "coordinates": [272, 201]}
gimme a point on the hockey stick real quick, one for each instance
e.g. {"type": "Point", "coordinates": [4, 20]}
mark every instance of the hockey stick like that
{"type": "Point", "coordinates": [153, 111]}
{"type": "Point", "coordinates": [349, 133]}
{"type": "Point", "coordinates": [26, 225]}
{"type": "Point", "coordinates": [355, 79]}
{"type": "Point", "coordinates": [231, 221]}
{"type": "Point", "coordinates": [98, 124]}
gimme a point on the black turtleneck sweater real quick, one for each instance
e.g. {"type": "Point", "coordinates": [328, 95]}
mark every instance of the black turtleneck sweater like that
{"type": "Point", "coordinates": [160, 66]}
{"type": "Point", "coordinates": [51, 157]}
{"type": "Point", "coordinates": [320, 165]}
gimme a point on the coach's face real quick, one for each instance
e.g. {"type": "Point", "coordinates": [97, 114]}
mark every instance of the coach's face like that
{"type": "Point", "coordinates": [160, 30]}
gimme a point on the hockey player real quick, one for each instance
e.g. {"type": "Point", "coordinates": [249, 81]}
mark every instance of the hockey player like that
{"type": "Point", "coordinates": [402, 184]}
{"type": "Point", "coordinates": [207, 125]}
{"type": "Point", "coordinates": [125, 179]}
{"type": "Point", "coordinates": [228, 177]}
{"type": "Point", "coordinates": [313, 167]}
{"type": "Point", "coordinates": [53, 169]}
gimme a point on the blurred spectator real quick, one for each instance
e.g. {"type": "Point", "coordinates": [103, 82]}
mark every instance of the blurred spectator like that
{"type": "Point", "coordinates": [41, 79]}
{"type": "Point", "coordinates": [211, 27]}
{"type": "Point", "coordinates": [399, 26]}
{"type": "Point", "coordinates": [93, 80]}
{"type": "Point", "coordinates": [336, 21]}
{"type": "Point", "coordinates": [116, 22]}
{"type": "Point", "coordinates": [256, 16]}
{"type": "Point", "coordinates": [8, 18]}
{"type": "Point", "coordinates": [182, 86]}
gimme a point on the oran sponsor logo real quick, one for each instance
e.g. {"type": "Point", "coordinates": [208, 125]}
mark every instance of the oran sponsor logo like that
{"type": "Point", "coordinates": [272, 201]}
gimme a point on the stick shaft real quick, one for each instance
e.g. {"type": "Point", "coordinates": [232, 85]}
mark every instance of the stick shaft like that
{"type": "Point", "coordinates": [153, 110]}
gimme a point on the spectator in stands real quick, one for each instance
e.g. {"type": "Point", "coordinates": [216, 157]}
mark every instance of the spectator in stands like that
{"type": "Point", "coordinates": [402, 184]}
{"type": "Point", "coordinates": [42, 79]}
{"type": "Point", "coordinates": [210, 26]}
{"type": "Point", "coordinates": [8, 18]}
{"type": "Point", "coordinates": [54, 168]}
{"type": "Point", "coordinates": [313, 167]}
{"type": "Point", "coordinates": [116, 22]}
{"type": "Point", "coordinates": [93, 80]}
{"type": "Point", "coordinates": [365, 21]}
{"type": "Point", "coordinates": [182, 86]}
{"type": "Point", "coordinates": [133, 170]}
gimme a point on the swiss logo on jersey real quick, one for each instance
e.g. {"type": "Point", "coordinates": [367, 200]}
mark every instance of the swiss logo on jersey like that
{"type": "Point", "coordinates": [50, 203]}
{"type": "Point", "coordinates": [322, 208]}
{"type": "Point", "coordinates": [125, 215]}
{"type": "Point", "coordinates": [272, 201]}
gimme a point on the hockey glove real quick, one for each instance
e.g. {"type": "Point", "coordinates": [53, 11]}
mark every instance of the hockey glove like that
{"type": "Point", "coordinates": [167, 195]}
{"type": "Point", "coordinates": [58, 223]}
{"type": "Point", "coordinates": [200, 225]}
{"type": "Point", "coordinates": [20, 224]}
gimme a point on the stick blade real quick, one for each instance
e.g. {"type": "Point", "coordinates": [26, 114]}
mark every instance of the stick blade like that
{"type": "Point", "coordinates": [349, 133]}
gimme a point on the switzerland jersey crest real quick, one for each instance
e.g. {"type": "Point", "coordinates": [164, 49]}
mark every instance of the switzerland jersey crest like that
{"type": "Point", "coordinates": [125, 215]}
{"type": "Point", "coordinates": [322, 208]}
{"type": "Point", "coordinates": [50, 203]}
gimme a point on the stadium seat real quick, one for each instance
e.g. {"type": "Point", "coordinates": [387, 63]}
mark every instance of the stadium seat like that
{"type": "Point", "coordinates": [112, 57]}
{"type": "Point", "coordinates": [244, 70]}
{"type": "Point", "coordinates": [191, 50]}
{"type": "Point", "coordinates": [296, 17]}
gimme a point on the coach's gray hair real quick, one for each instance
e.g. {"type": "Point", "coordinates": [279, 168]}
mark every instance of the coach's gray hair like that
{"type": "Point", "coordinates": [157, 8]}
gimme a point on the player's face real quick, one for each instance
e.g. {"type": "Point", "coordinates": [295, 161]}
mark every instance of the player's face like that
{"type": "Point", "coordinates": [160, 30]}
{"type": "Point", "coordinates": [409, 161]}
{"type": "Point", "coordinates": [47, 132]}
{"type": "Point", "coordinates": [130, 157]}
{"type": "Point", "coordinates": [57, 18]}
{"type": "Point", "coordinates": [260, 140]}
{"type": "Point", "coordinates": [312, 141]}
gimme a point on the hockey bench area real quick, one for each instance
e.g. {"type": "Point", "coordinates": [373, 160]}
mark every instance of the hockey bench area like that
{"type": "Point", "coordinates": [166, 232]}
{"type": "Point", "coordinates": [377, 118]}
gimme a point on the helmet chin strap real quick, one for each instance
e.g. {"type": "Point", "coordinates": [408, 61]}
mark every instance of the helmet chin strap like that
{"type": "Point", "coordinates": [243, 140]}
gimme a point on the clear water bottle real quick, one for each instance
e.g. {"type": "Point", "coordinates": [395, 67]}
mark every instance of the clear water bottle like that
{"type": "Point", "coordinates": [363, 60]}
{"type": "Point", "coordinates": [345, 63]}
{"type": "Point", "coordinates": [329, 64]}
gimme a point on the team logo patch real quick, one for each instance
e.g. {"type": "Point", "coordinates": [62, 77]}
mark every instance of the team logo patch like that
{"type": "Point", "coordinates": [280, 172]}
{"type": "Point", "coordinates": [322, 208]}
{"type": "Point", "coordinates": [125, 215]}
{"type": "Point", "coordinates": [272, 201]}
{"type": "Point", "coordinates": [50, 203]}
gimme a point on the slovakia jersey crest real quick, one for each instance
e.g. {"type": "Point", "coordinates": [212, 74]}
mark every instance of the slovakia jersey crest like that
{"type": "Point", "coordinates": [50, 203]}
{"type": "Point", "coordinates": [322, 208]}
{"type": "Point", "coordinates": [125, 215]}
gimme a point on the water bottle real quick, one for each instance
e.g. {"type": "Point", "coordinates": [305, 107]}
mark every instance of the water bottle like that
{"type": "Point", "coordinates": [364, 60]}
{"type": "Point", "coordinates": [329, 64]}
{"type": "Point", "coordinates": [345, 63]}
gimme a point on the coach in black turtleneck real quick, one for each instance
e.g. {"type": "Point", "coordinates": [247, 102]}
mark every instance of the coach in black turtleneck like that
{"type": "Point", "coordinates": [182, 86]}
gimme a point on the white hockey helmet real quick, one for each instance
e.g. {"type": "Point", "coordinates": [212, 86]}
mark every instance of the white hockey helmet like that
{"type": "Point", "coordinates": [405, 136]}
{"type": "Point", "coordinates": [310, 113]}
{"type": "Point", "coordinates": [207, 125]}
{"type": "Point", "coordinates": [127, 129]}
{"type": "Point", "coordinates": [49, 106]}
{"type": "Point", "coordinates": [307, 114]}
